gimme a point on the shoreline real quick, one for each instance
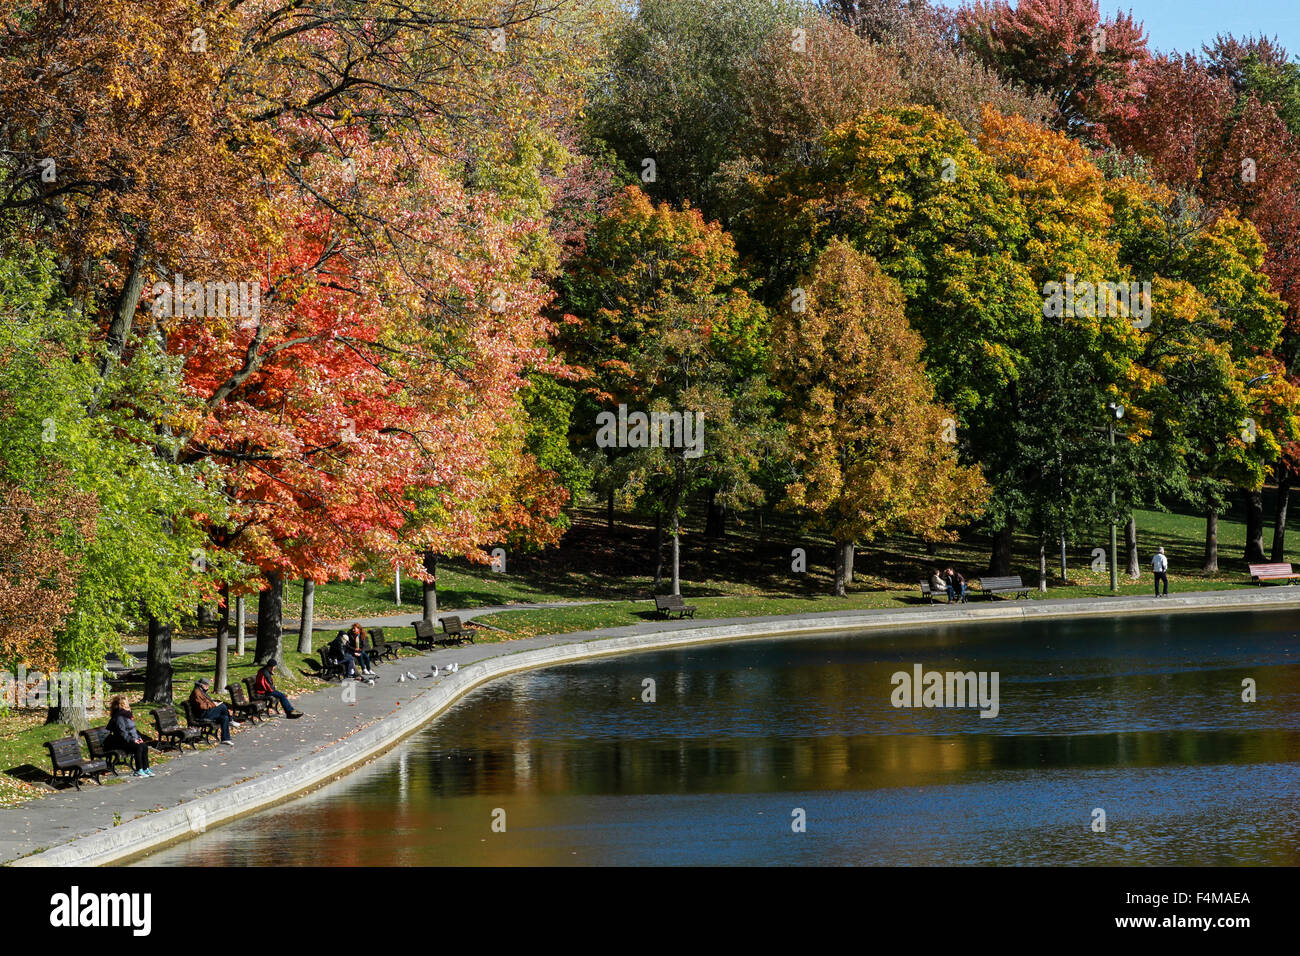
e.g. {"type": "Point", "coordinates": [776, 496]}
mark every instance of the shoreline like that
{"type": "Point", "coordinates": [306, 768]}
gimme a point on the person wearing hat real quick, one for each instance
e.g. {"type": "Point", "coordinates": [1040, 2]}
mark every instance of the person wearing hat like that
{"type": "Point", "coordinates": [208, 709]}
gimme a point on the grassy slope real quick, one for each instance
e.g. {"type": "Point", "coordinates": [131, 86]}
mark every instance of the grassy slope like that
{"type": "Point", "coordinates": [594, 564]}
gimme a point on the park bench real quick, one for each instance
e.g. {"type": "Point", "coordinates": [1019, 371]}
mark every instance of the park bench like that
{"type": "Point", "coordinates": [425, 635]}
{"type": "Point", "coordinates": [331, 666]}
{"type": "Point", "coordinates": [381, 648]}
{"type": "Point", "coordinates": [243, 706]}
{"type": "Point", "coordinates": [667, 604]}
{"type": "Point", "coordinates": [97, 745]}
{"type": "Point", "coordinates": [68, 764]}
{"type": "Point", "coordinates": [1259, 573]}
{"type": "Point", "coordinates": [170, 730]}
{"type": "Point", "coordinates": [1009, 585]}
{"type": "Point", "coordinates": [453, 631]}
{"type": "Point", "coordinates": [928, 592]}
{"type": "Point", "coordinates": [208, 728]}
{"type": "Point", "coordinates": [272, 705]}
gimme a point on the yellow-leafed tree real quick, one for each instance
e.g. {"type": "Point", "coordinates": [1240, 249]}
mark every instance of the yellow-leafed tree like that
{"type": "Point", "coordinates": [873, 449]}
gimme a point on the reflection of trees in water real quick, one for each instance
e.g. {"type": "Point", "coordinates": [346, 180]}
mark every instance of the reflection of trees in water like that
{"type": "Point", "coordinates": [1158, 708]}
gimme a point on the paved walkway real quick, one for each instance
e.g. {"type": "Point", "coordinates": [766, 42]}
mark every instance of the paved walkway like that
{"type": "Point", "coordinates": [264, 748]}
{"type": "Point", "coordinates": [403, 619]}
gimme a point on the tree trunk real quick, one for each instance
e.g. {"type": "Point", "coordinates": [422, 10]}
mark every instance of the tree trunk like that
{"type": "Point", "coordinates": [1000, 560]}
{"type": "Point", "coordinates": [677, 554]}
{"type": "Point", "coordinates": [843, 567]}
{"type": "Point", "coordinates": [1279, 514]}
{"type": "Point", "coordinates": [270, 606]}
{"type": "Point", "coordinates": [1042, 562]}
{"type": "Point", "coordinates": [1131, 543]}
{"type": "Point", "coordinates": [203, 616]}
{"type": "Point", "coordinates": [715, 520]}
{"type": "Point", "coordinates": [931, 549]}
{"type": "Point", "coordinates": [158, 669]}
{"type": "Point", "coordinates": [762, 528]}
{"type": "Point", "coordinates": [659, 551]}
{"type": "Point", "coordinates": [430, 589]}
{"type": "Point", "coordinates": [240, 629]}
{"type": "Point", "coordinates": [1211, 564]}
{"type": "Point", "coordinates": [223, 640]}
{"type": "Point", "coordinates": [1254, 553]}
{"type": "Point", "coordinates": [609, 510]}
{"type": "Point", "coordinates": [70, 706]}
{"type": "Point", "coordinates": [308, 615]}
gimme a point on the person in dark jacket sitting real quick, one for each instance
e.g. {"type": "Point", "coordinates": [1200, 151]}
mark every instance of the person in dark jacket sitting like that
{"type": "Point", "coordinates": [123, 735]}
{"type": "Point", "coordinates": [264, 686]}
{"type": "Point", "coordinates": [339, 651]}
{"type": "Point", "coordinates": [355, 643]}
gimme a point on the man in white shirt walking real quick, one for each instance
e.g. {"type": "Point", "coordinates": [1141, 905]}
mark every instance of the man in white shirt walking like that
{"type": "Point", "coordinates": [1160, 565]}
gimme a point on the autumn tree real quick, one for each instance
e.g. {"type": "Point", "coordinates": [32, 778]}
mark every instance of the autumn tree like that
{"type": "Point", "coordinates": [658, 314]}
{"type": "Point", "coordinates": [672, 97]}
{"type": "Point", "coordinates": [866, 433]}
{"type": "Point", "coordinates": [1090, 66]}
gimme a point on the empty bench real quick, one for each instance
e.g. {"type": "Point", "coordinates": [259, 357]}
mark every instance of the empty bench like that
{"type": "Point", "coordinates": [453, 632]}
{"type": "Point", "coordinates": [68, 764]}
{"type": "Point", "coordinates": [668, 604]}
{"type": "Point", "coordinates": [1259, 573]}
{"type": "Point", "coordinates": [1009, 585]}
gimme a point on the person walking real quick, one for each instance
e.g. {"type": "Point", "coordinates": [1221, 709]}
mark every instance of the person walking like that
{"type": "Point", "coordinates": [1160, 566]}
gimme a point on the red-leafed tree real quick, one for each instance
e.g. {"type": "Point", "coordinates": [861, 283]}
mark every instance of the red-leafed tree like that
{"type": "Point", "coordinates": [1091, 67]}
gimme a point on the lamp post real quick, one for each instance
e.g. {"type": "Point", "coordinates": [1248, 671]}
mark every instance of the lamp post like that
{"type": "Point", "coordinates": [1117, 412]}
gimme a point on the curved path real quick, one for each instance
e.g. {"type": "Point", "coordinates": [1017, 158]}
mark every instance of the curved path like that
{"type": "Point", "coordinates": [277, 759]}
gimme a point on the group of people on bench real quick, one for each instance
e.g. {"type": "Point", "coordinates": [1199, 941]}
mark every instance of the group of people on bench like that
{"type": "Point", "coordinates": [950, 581]}
{"type": "Point", "coordinates": [125, 736]}
{"type": "Point", "coordinates": [350, 647]}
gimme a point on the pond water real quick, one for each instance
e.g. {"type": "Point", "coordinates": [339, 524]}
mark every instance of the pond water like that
{"type": "Point", "coordinates": [790, 751]}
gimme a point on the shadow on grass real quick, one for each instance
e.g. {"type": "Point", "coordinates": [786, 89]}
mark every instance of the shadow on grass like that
{"type": "Point", "coordinates": [28, 773]}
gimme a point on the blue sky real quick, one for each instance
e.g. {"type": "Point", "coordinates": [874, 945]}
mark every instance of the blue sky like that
{"type": "Point", "coordinates": [1184, 25]}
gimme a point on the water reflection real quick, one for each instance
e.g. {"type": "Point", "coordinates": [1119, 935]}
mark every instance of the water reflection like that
{"type": "Point", "coordinates": [1142, 717]}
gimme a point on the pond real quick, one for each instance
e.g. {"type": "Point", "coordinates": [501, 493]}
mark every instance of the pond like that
{"type": "Point", "coordinates": [791, 751]}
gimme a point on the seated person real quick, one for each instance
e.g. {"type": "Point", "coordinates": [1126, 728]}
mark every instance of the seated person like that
{"type": "Point", "coordinates": [264, 686]}
{"type": "Point", "coordinates": [338, 650]}
{"type": "Point", "coordinates": [355, 644]}
{"type": "Point", "coordinates": [937, 583]}
{"type": "Point", "coordinates": [123, 735]}
{"type": "Point", "coordinates": [209, 709]}
{"type": "Point", "coordinates": [956, 585]}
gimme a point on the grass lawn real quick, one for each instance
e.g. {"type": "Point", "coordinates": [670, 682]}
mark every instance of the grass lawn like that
{"type": "Point", "coordinates": [594, 563]}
